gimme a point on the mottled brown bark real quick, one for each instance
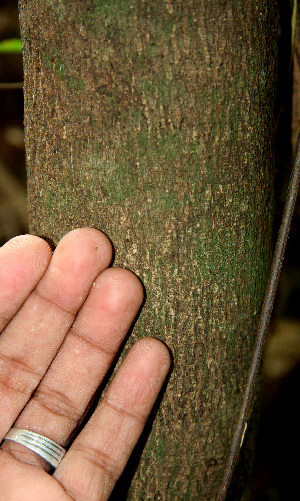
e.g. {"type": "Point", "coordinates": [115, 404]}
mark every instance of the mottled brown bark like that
{"type": "Point", "coordinates": [153, 121]}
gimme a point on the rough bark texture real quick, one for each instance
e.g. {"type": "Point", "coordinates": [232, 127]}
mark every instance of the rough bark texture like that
{"type": "Point", "coordinates": [153, 121]}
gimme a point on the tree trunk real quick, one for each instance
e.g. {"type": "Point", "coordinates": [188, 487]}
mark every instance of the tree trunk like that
{"type": "Point", "coordinates": [154, 121]}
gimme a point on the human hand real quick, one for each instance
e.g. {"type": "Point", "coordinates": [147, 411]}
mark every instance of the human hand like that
{"type": "Point", "coordinates": [63, 319]}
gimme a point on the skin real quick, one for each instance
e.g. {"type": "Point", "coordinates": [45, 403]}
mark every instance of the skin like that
{"type": "Point", "coordinates": [63, 319]}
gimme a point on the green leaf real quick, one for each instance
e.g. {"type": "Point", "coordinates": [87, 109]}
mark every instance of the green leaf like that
{"type": "Point", "coordinates": [10, 46]}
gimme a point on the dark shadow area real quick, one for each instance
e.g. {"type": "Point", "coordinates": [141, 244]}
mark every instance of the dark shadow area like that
{"type": "Point", "coordinates": [278, 460]}
{"type": "Point", "coordinates": [283, 113]}
{"type": "Point", "coordinates": [13, 211]}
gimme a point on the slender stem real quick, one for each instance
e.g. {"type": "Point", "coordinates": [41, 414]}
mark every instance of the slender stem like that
{"type": "Point", "coordinates": [264, 322]}
{"type": "Point", "coordinates": [11, 85]}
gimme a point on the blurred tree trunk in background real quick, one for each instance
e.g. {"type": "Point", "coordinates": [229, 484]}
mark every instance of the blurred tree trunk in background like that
{"type": "Point", "coordinates": [154, 121]}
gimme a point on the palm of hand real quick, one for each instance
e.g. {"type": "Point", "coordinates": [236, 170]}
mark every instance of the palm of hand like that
{"type": "Point", "coordinates": [63, 319]}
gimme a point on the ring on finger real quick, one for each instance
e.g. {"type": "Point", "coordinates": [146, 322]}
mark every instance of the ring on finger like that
{"type": "Point", "coordinates": [43, 446]}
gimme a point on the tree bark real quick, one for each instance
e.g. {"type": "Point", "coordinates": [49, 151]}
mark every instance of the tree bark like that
{"type": "Point", "coordinates": [154, 122]}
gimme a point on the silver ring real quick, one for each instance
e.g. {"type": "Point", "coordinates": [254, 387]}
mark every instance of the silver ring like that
{"type": "Point", "coordinates": [43, 446]}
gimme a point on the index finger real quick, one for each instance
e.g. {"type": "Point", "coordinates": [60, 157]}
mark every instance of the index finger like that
{"type": "Point", "coordinates": [23, 262]}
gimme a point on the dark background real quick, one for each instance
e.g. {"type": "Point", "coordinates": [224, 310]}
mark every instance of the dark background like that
{"type": "Point", "coordinates": [278, 444]}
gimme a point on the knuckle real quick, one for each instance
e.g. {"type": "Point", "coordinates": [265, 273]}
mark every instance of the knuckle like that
{"type": "Point", "coordinates": [57, 403]}
{"type": "Point", "coordinates": [100, 460]}
{"type": "Point", "coordinates": [17, 376]}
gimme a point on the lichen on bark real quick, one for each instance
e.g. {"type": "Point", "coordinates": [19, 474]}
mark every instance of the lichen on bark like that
{"type": "Point", "coordinates": [154, 121]}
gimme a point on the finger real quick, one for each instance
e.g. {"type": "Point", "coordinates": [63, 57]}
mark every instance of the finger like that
{"type": "Point", "coordinates": [99, 454]}
{"type": "Point", "coordinates": [32, 338]}
{"type": "Point", "coordinates": [63, 395]}
{"type": "Point", "coordinates": [23, 261]}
